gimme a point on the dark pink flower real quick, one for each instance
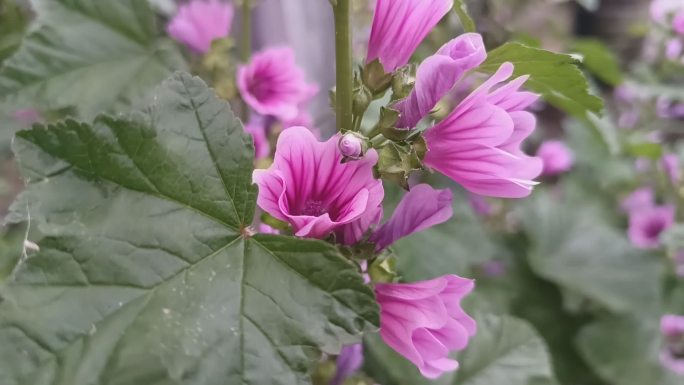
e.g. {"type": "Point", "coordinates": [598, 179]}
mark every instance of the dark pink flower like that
{"type": "Point", "coordinates": [308, 187]}
{"type": "Point", "coordinates": [672, 355]}
{"type": "Point", "coordinates": [639, 199]}
{"type": "Point", "coordinates": [421, 208]}
{"type": "Point", "coordinates": [272, 84]}
{"type": "Point", "coordinates": [438, 74]}
{"type": "Point", "coordinates": [478, 143]}
{"type": "Point", "coordinates": [200, 22]}
{"type": "Point", "coordinates": [348, 362]}
{"type": "Point", "coordinates": [646, 225]}
{"type": "Point", "coordinates": [399, 26]}
{"type": "Point", "coordinates": [557, 157]}
{"type": "Point", "coordinates": [673, 49]}
{"type": "Point", "coordinates": [424, 321]}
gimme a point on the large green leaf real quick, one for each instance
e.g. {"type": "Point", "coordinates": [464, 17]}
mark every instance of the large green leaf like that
{"type": "Point", "coordinates": [92, 55]}
{"type": "Point", "coordinates": [625, 350]}
{"type": "Point", "coordinates": [555, 76]}
{"type": "Point", "coordinates": [573, 246]}
{"type": "Point", "coordinates": [147, 271]}
{"type": "Point", "coordinates": [504, 351]}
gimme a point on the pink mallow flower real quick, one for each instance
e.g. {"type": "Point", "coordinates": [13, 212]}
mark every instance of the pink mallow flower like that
{"type": "Point", "coordinates": [399, 26]}
{"type": "Point", "coordinates": [421, 208]}
{"type": "Point", "coordinates": [478, 143]}
{"type": "Point", "coordinates": [438, 74]}
{"type": "Point", "coordinates": [672, 355]}
{"type": "Point", "coordinates": [678, 22]}
{"type": "Point", "coordinates": [646, 225]}
{"type": "Point", "coordinates": [272, 84]}
{"type": "Point", "coordinates": [557, 157]}
{"type": "Point", "coordinates": [308, 187]}
{"type": "Point", "coordinates": [639, 199]}
{"type": "Point", "coordinates": [200, 22]}
{"type": "Point", "coordinates": [424, 321]}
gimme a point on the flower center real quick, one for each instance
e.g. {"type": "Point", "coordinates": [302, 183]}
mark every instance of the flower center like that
{"type": "Point", "coordinates": [654, 228]}
{"type": "Point", "coordinates": [314, 208]}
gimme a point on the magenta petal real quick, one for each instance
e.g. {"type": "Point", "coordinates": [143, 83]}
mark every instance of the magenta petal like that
{"type": "Point", "coordinates": [478, 143]}
{"type": "Point", "coordinates": [272, 84]}
{"type": "Point", "coordinates": [647, 225]}
{"type": "Point", "coordinates": [308, 187]}
{"type": "Point", "coordinates": [557, 157]}
{"type": "Point", "coordinates": [421, 208]}
{"type": "Point", "coordinates": [413, 321]}
{"type": "Point", "coordinates": [399, 26]}
{"type": "Point", "coordinates": [199, 22]}
{"type": "Point", "coordinates": [438, 74]}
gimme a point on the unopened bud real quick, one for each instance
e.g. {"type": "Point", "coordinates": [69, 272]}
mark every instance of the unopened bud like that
{"type": "Point", "coordinates": [351, 146]}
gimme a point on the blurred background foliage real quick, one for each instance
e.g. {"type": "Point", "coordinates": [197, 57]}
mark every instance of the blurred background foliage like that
{"type": "Point", "coordinates": [570, 290]}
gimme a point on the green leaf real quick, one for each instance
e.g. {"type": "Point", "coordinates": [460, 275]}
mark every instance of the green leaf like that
{"type": "Point", "coordinates": [467, 22]}
{"type": "Point", "coordinates": [147, 273]}
{"type": "Point", "coordinates": [572, 245]}
{"type": "Point", "coordinates": [555, 76]}
{"type": "Point", "coordinates": [625, 350]}
{"type": "Point", "coordinates": [93, 55]}
{"type": "Point", "coordinates": [505, 350]}
{"type": "Point", "coordinates": [599, 60]}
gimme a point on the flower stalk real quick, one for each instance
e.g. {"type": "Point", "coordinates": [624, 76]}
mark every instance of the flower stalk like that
{"type": "Point", "coordinates": [246, 36]}
{"type": "Point", "coordinates": [344, 71]}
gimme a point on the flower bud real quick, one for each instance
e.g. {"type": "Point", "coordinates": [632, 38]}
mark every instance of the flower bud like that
{"type": "Point", "coordinates": [351, 145]}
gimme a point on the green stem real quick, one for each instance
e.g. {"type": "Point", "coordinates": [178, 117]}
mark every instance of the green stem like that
{"type": "Point", "coordinates": [343, 57]}
{"type": "Point", "coordinates": [246, 46]}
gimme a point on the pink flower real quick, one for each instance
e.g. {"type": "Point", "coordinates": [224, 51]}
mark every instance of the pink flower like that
{"type": "Point", "coordinates": [257, 128]}
{"type": "Point", "coordinates": [421, 208]}
{"type": "Point", "coordinates": [667, 109]}
{"type": "Point", "coordinates": [272, 84]}
{"type": "Point", "coordinates": [266, 229]}
{"type": "Point", "coordinates": [557, 157]}
{"type": "Point", "coordinates": [348, 362]}
{"type": "Point", "coordinates": [309, 188]}
{"type": "Point", "coordinates": [424, 321]}
{"type": "Point", "coordinates": [27, 116]}
{"type": "Point", "coordinates": [672, 355]}
{"type": "Point", "coordinates": [670, 165]}
{"type": "Point", "coordinates": [678, 22]}
{"type": "Point", "coordinates": [661, 9]}
{"type": "Point", "coordinates": [399, 26]}
{"type": "Point", "coordinates": [673, 49]}
{"type": "Point", "coordinates": [438, 74]}
{"type": "Point", "coordinates": [200, 22]}
{"type": "Point", "coordinates": [646, 225]}
{"type": "Point", "coordinates": [642, 198]}
{"type": "Point", "coordinates": [478, 143]}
